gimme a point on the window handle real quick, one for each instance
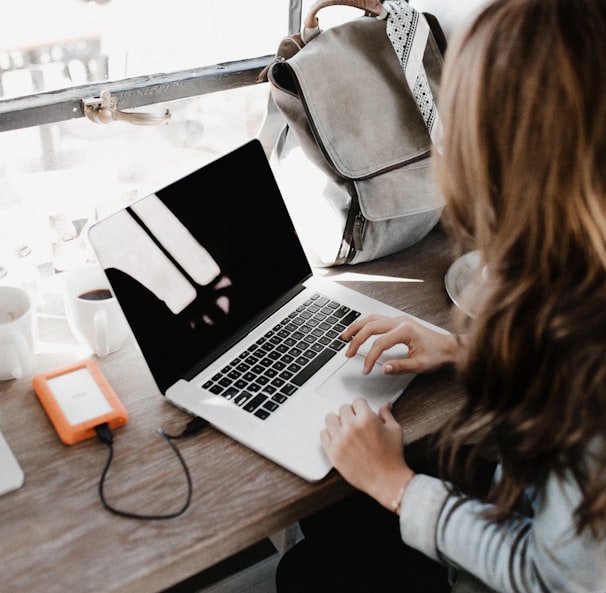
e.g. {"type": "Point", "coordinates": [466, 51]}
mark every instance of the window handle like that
{"type": "Point", "coordinates": [102, 110]}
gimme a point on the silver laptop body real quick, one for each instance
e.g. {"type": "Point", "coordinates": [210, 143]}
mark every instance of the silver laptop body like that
{"type": "Point", "coordinates": [212, 279]}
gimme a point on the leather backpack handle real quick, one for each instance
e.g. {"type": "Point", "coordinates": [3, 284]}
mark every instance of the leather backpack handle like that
{"type": "Point", "coordinates": [373, 7]}
{"type": "Point", "coordinates": [310, 28]}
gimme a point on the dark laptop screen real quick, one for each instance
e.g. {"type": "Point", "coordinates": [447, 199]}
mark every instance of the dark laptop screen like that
{"type": "Point", "coordinates": [193, 264]}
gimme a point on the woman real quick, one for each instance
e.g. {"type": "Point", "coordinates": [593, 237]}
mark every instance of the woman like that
{"type": "Point", "coordinates": [523, 168]}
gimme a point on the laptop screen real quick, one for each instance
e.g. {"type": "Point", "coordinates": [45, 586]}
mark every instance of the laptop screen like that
{"type": "Point", "coordinates": [194, 264]}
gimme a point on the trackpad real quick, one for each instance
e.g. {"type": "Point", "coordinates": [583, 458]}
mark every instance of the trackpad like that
{"type": "Point", "coordinates": [348, 383]}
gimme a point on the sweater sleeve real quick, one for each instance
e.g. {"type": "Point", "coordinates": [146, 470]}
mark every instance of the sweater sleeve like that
{"type": "Point", "coordinates": [521, 556]}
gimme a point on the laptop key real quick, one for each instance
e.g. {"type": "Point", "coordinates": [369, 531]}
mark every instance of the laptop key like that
{"type": "Point", "coordinates": [230, 393]}
{"type": "Point", "coordinates": [313, 367]}
{"type": "Point", "coordinates": [294, 367]}
{"type": "Point", "coordinates": [242, 398]}
{"type": "Point", "coordinates": [255, 402]}
{"type": "Point", "coordinates": [338, 344]}
{"type": "Point", "coordinates": [271, 406]}
{"type": "Point", "coordinates": [288, 389]}
{"type": "Point", "coordinates": [350, 318]}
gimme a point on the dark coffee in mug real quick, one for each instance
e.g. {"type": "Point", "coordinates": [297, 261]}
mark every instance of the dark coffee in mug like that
{"type": "Point", "coordinates": [98, 294]}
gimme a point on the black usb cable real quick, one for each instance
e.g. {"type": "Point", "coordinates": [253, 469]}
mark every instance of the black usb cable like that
{"type": "Point", "coordinates": [106, 436]}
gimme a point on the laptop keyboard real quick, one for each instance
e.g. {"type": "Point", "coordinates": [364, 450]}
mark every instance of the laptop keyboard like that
{"type": "Point", "coordinates": [266, 374]}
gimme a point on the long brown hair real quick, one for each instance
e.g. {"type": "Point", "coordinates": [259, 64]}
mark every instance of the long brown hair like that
{"type": "Point", "coordinates": [523, 168]}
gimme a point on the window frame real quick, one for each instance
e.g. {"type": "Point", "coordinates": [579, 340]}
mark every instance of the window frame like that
{"type": "Point", "coordinates": [56, 106]}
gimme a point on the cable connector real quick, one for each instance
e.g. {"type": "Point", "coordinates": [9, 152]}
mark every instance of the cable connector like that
{"type": "Point", "coordinates": [194, 426]}
{"type": "Point", "coordinates": [104, 433]}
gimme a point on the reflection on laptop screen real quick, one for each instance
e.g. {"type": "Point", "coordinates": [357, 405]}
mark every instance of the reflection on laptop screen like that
{"type": "Point", "coordinates": [194, 263]}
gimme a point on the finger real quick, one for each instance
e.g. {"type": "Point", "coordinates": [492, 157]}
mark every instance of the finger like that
{"type": "Point", "coordinates": [400, 335]}
{"type": "Point", "coordinates": [360, 407]}
{"type": "Point", "coordinates": [362, 329]}
{"type": "Point", "coordinates": [332, 422]}
{"type": "Point", "coordinates": [357, 325]}
{"type": "Point", "coordinates": [371, 358]}
{"type": "Point", "coordinates": [353, 346]}
{"type": "Point", "coordinates": [417, 361]}
{"type": "Point", "coordinates": [380, 345]}
{"type": "Point", "coordinates": [356, 340]}
{"type": "Point", "coordinates": [391, 336]}
{"type": "Point", "coordinates": [351, 330]}
{"type": "Point", "coordinates": [363, 412]}
{"type": "Point", "coordinates": [401, 366]}
{"type": "Point", "coordinates": [386, 414]}
{"type": "Point", "coordinates": [346, 413]}
{"type": "Point", "coordinates": [403, 333]}
{"type": "Point", "coordinates": [385, 411]}
{"type": "Point", "coordinates": [370, 330]}
{"type": "Point", "coordinates": [325, 439]}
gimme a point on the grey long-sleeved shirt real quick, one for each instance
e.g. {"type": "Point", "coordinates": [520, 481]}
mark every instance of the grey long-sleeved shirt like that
{"type": "Point", "coordinates": [527, 555]}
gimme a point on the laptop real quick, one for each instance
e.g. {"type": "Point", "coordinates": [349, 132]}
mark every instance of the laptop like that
{"type": "Point", "coordinates": [233, 325]}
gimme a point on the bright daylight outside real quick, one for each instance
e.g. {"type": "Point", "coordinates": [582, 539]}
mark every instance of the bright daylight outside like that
{"type": "Point", "coordinates": [56, 179]}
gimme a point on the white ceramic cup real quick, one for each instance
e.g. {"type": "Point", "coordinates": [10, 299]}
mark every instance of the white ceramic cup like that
{"type": "Point", "coordinates": [16, 332]}
{"type": "Point", "coordinates": [93, 313]}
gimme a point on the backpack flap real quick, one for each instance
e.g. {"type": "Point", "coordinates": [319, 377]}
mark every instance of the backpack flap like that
{"type": "Point", "coordinates": [359, 106]}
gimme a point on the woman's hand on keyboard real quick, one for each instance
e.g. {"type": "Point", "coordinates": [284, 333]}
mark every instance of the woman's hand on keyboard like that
{"type": "Point", "coordinates": [428, 349]}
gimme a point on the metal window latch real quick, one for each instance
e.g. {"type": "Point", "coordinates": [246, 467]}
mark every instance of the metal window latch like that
{"type": "Point", "coordinates": [102, 110]}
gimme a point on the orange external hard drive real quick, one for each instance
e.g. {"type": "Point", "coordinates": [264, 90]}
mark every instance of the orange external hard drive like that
{"type": "Point", "coordinates": [77, 398]}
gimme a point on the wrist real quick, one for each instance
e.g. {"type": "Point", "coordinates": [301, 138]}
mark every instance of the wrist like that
{"type": "Point", "coordinates": [453, 347]}
{"type": "Point", "coordinates": [392, 493]}
{"type": "Point", "coordinates": [396, 503]}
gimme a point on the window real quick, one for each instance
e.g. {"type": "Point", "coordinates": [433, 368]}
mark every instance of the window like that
{"type": "Point", "coordinates": [59, 171]}
{"type": "Point", "coordinates": [199, 59]}
{"type": "Point", "coordinates": [64, 43]}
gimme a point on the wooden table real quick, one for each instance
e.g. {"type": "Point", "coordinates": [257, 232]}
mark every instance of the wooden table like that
{"type": "Point", "coordinates": [56, 537]}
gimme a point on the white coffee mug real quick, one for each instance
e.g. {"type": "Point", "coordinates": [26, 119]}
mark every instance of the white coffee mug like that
{"type": "Point", "coordinates": [93, 313]}
{"type": "Point", "coordinates": [16, 332]}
